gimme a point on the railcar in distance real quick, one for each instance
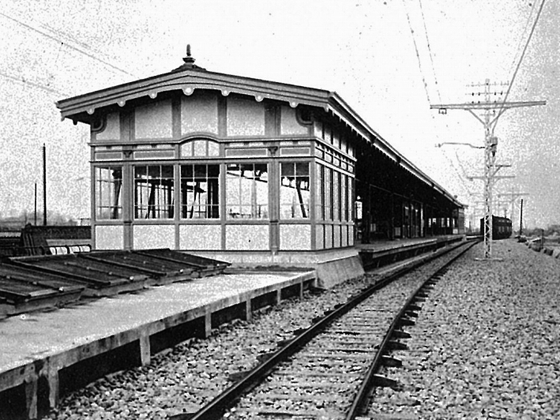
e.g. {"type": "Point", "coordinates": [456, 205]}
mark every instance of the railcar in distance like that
{"type": "Point", "coordinates": [501, 227]}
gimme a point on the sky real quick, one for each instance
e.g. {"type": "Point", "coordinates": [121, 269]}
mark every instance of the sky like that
{"type": "Point", "coordinates": [389, 60]}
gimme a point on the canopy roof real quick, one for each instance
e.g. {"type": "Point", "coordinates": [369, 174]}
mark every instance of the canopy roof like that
{"type": "Point", "coordinates": [189, 77]}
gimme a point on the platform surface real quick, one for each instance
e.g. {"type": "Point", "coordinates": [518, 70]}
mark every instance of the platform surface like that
{"type": "Point", "coordinates": [34, 336]}
{"type": "Point", "coordinates": [395, 244]}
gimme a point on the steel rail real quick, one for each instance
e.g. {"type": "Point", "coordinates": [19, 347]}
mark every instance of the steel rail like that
{"type": "Point", "coordinates": [215, 408]}
{"type": "Point", "coordinates": [360, 399]}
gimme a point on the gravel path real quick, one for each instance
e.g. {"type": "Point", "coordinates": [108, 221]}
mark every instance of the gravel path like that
{"type": "Point", "coordinates": [486, 344]}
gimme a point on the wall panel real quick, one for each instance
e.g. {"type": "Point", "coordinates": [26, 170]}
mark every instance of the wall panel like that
{"type": "Point", "coordinates": [109, 237]}
{"type": "Point", "coordinates": [295, 237]}
{"type": "Point", "coordinates": [112, 129]}
{"type": "Point", "coordinates": [154, 236]}
{"type": "Point", "coordinates": [245, 117]}
{"type": "Point", "coordinates": [289, 125]}
{"type": "Point", "coordinates": [153, 121]}
{"type": "Point", "coordinates": [200, 237]}
{"type": "Point", "coordinates": [247, 237]}
{"type": "Point", "coordinates": [199, 113]}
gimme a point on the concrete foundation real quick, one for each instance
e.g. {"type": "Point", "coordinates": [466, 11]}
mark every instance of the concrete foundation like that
{"type": "Point", "coordinates": [332, 267]}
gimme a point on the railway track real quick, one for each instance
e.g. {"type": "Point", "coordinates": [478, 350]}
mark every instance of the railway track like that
{"type": "Point", "coordinates": [329, 369]}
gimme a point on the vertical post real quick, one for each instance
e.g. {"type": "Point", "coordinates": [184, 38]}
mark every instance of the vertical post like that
{"type": "Point", "coordinates": [207, 323]}
{"type": "Point", "coordinates": [489, 153]}
{"type": "Point", "coordinates": [248, 310]}
{"type": "Point", "coordinates": [521, 219]}
{"type": "Point", "coordinates": [31, 386]}
{"type": "Point", "coordinates": [490, 147]}
{"type": "Point", "coordinates": [145, 348]}
{"type": "Point", "coordinates": [35, 208]}
{"type": "Point", "coordinates": [44, 185]}
{"type": "Point", "coordinates": [54, 388]}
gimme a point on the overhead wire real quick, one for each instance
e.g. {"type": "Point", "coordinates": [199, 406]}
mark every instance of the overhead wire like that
{"type": "Point", "coordinates": [417, 52]}
{"type": "Point", "coordinates": [460, 176]}
{"type": "Point", "coordinates": [430, 50]}
{"type": "Point", "coordinates": [502, 108]}
{"type": "Point", "coordinates": [522, 37]}
{"type": "Point", "coordinates": [33, 84]}
{"type": "Point", "coordinates": [57, 39]}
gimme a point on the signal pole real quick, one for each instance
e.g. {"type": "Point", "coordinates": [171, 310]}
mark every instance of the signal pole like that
{"type": "Point", "coordinates": [491, 111]}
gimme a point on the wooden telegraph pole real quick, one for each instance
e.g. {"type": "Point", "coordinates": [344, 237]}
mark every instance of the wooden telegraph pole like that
{"type": "Point", "coordinates": [44, 185]}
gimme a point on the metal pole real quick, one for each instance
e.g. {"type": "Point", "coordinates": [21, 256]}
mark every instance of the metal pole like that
{"type": "Point", "coordinates": [44, 185]}
{"type": "Point", "coordinates": [488, 172]}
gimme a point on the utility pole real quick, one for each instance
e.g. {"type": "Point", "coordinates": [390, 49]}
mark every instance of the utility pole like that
{"type": "Point", "coordinates": [44, 185]}
{"type": "Point", "coordinates": [491, 109]}
{"type": "Point", "coordinates": [35, 209]}
{"type": "Point", "coordinates": [521, 220]}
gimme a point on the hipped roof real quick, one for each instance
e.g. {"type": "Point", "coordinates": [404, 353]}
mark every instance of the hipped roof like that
{"type": "Point", "coordinates": [189, 77]}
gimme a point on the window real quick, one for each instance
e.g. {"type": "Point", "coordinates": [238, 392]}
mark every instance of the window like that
{"type": "Point", "coordinates": [200, 147]}
{"type": "Point", "coordinates": [319, 192]}
{"type": "Point", "coordinates": [294, 190]}
{"type": "Point", "coordinates": [108, 192]}
{"type": "Point", "coordinates": [200, 191]}
{"type": "Point", "coordinates": [247, 191]}
{"type": "Point", "coordinates": [350, 198]}
{"type": "Point", "coordinates": [153, 192]}
{"type": "Point", "coordinates": [343, 197]}
{"type": "Point", "coordinates": [327, 194]}
{"type": "Point", "coordinates": [336, 195]}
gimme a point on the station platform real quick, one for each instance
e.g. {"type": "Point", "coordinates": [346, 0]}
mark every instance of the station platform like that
{"type": "Point", "coordinates": [384, 252]}
{"type": "Point", "coordinates": [45, 354]}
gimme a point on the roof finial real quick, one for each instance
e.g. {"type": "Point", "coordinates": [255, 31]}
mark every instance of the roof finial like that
{"type": "Point", "coordinates": [189, 62]}
{"type": "Point", "coordinates": [188, 59]}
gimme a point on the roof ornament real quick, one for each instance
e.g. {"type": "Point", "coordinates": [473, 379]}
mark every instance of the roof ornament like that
{"type": "Point", "coordinates": [189, 59]}
{"type": "Point", "coordinates": [189, 62]}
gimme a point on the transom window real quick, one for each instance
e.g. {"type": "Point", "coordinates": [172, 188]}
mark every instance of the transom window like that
{"type": "Point", "coordinates": [294, 190]}
{"type": "Point", "coordinates": [247, 191]}
{"type": "Point", "coordinates": [200, 191]}
{"type": "Point", "coordinates": [153, 192]}
{"type": "Point", "coordinates": [200, 147]}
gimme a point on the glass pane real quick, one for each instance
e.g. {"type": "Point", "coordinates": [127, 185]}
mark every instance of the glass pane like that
{"type": "Point", "coordinates": [199, 192]}
{"type": "Point", "coordinates": [200, 148]}
{"type": "Point", "coordinates": [213, 148]}
{"type": "Point", "coordinates": [108, 193]}
{"type": "Point", "coordinates": [153, 192]}
{"type": "Point", "coordinates": [294, 190]}
{"type": "Point", "coordinates": [247, 191]}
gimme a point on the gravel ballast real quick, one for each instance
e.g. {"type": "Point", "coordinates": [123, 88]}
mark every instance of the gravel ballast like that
{"type": "Point", "coordinates": [193, 373]}
{"type": "Point", "coordinates": [486, 344]}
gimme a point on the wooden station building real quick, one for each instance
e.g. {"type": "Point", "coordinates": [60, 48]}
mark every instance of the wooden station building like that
{"type": "Point", "coordinates": [250, 171]}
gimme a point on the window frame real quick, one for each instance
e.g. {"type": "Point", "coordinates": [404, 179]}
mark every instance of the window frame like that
{"type": "Point", "coordinates": [254, 199]}
{"type": "Point", "coordinates": [115, 207]}
{"type": "Point", "coordinates": [212, 209]}
{"type": "Point", "coordinates": [160, 203]}
{"type": "Point", "coordinates": [304, 205]}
